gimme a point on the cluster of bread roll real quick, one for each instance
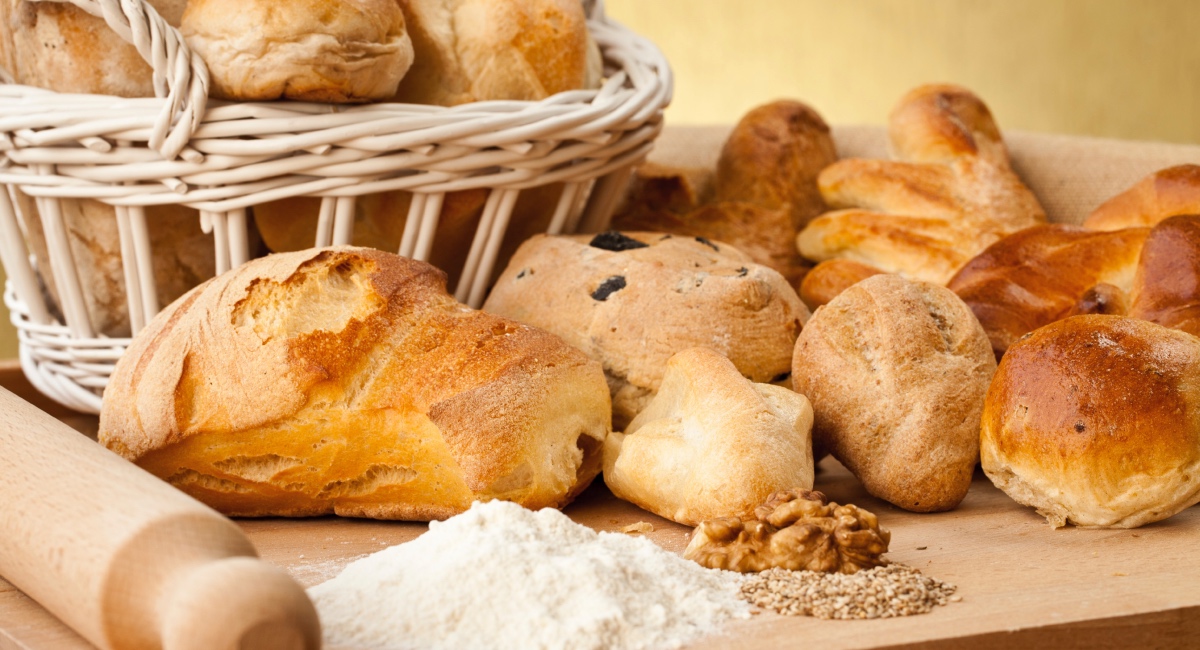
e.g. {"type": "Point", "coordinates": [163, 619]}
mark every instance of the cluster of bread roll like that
{"type": "Point", "coordinates": [677, 355]}
{"type": "Point", "coordinates": [441, 52]}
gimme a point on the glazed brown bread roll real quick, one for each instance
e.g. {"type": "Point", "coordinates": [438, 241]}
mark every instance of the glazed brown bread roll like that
{"type": "Point", "coordinates": [763, 192]}
{"type": "Point", "coordinates": [949, 194]}
{"type": "Point", "coordinates": [1165, 193]}
{"type": "Point", "coordinates": [1095, 421]}
{"type": "Point", "coordinates": [896, 372]}
{"type": "Point", "coordinates": [312, 50]}
{"type": "Point", "coordinates": [711, 443]}
{"type": "Point", "coordinates": [346, 380]}
{"type": "Point", "coordinates": [1045, 273]}
{"type": "Point", "coordinates": [632, 300]}
{"type": "Point", "coordinates": [60, 47]}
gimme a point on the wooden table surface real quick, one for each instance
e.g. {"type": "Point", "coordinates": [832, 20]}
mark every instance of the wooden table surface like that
{"type": "Point", "coordinates": [1022, 584]}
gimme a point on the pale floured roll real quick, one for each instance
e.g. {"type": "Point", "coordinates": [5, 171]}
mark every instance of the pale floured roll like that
{"type": "Point", "coordinates": [711, 444]}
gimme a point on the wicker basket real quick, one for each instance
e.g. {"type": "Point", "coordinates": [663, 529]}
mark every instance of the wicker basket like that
{"type": "Point", "coordinates": [222, 158]}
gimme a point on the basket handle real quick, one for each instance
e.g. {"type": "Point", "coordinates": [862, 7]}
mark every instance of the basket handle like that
{"type": "Point", "coordinates": [179, 74]}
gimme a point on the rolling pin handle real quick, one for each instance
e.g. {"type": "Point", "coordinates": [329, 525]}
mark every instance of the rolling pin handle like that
{"type": "Point", "coordinates": [238, 603]}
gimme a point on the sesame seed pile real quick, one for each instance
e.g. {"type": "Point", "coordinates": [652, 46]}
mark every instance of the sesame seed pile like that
{"type": "Point", "coordinates": [882, 592]}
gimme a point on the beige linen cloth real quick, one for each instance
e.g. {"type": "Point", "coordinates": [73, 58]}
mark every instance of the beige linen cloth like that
{"type": "Point", "coordinates": [1071, 175]}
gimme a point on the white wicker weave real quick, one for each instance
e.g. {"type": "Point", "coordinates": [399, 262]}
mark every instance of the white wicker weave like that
{"type": "Point", "coordinates": [221, 158]}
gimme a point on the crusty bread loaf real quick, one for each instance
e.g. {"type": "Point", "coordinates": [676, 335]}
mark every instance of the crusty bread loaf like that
{"type": "Point", "coordinates": [947, 196]}
{"type": "Point", "coordinates": [896, 371]}
{"type": "Point", "coordinates": [1166, 289]}
{"type": "Point", "coordinates": [831, 277]}
{"type": "Point", "coordinates": [633, 300]}
{"type": "Point", "coordinates": [63, 48]}
{"type": "Point", "coordinates": [1095, 420]}
{"type": "Point", "coordinates": [764, 189]}
{"type": "Point", "coordinates": [1046, 273]}
{"type": "Point", "coordinates": [1165, 193]}
{"type": "Point", "coordinates": [345, 380]}
{"type": "Point", "coordinates": [312, 50]}
{"type": "Point", "coordinates": [711, 443]}
{"type": "Point", "coordinates": [474, 50]}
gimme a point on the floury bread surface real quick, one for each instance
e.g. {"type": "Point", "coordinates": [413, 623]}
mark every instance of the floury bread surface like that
{"type": "Point", "coordinates": [347, 381]}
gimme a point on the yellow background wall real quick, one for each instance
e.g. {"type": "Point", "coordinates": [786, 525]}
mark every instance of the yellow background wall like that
{"type": "Point", "coordinates": [1119, 68]}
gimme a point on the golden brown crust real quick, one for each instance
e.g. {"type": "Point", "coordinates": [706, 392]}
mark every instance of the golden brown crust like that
{"type": "Point", "coordinates": [633, 300]}
{"type": "Point", "coordinates": [1095, 420]}
{"type": "Point", "coordinates": [1046, 273]}
{"type": "Point", "coordinates": [896, 371]}
{"type": "Point", "coordinates": [309, 50]}
{"type": "Point", "coordinates": [1165, 193]}
{"type": "Point", "coordinates": [949, 194]}
{"type": "Point", "coordinates": [63, 48]}
{"type": "Point", "coordinates": [346, 380]}
{"type": "Point", "coordinates": [764, 189]}
{"type": "Point", "coordinates": [478, 50]}
{"type": "Point", "coordinates": [1166, 289]}
{"type": "Point", "coordinates": [828, 279]}
{"type": "Point", "coordinates": [711, 443]}
{"type": "Point", "coordinates": [772, 159]}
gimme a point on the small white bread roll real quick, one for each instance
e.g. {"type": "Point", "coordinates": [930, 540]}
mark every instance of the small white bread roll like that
{"type": "Point", "coordinates": [340, 51]}
{"type": "Point", "coordinates": [476, 50]}
{"type": "Point", "coordinates": [711, 444]}
{"type": "Point", "coordinates": [1095, 421]}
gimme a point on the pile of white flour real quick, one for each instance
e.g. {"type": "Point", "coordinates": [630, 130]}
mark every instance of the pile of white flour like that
{"type": "Point", "coordinates": [500, 576]}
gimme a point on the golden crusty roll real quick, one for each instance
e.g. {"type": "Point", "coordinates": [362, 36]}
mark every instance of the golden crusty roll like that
{"type": "Point", "coordinates": [711, 443]}
{"type": "Point", "coordinates": [1165, 193]}
{"type": "Point", "coordinates": [831, 277]}
{"type": "Point", "coordinates": [61, 47]}
{"type": "Point", "coordinates": [1095, 420]}
{"type": "Point", "coordinates": [632, 300]}
{"type": "Point", "coordinates": [1046, 273]}
{"type": "Point", "coordinates": [947, 196]}
{"type": "Point", "coordinates": [764, 188]}
{"type": "Point", "coordinates": [338, 51]}
{"type": "Point", "coordinates": [1166, 289]}
{"type": "Point", "coordinates": [476, 50]}
{"type": "Point", "coordinates": [772, 159]}
{"type": "Point", "coordinates": [346, 380]}
{"type": "Point", "coordinates": [896, 371]}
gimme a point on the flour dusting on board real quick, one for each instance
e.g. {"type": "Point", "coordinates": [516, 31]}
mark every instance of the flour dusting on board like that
{"type": "Point", "coordinates": [501, 576]}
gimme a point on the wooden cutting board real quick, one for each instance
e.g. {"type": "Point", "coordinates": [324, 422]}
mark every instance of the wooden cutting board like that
{"type": "Point", "coordinates": [1022, 584]}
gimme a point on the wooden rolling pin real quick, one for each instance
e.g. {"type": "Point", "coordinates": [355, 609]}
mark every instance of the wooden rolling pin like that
{"type": "Point", "coordinates": [125, 559]}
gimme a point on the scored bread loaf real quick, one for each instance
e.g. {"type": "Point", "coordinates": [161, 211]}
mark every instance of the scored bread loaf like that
{"type": "Point", "coordinates": [632, 300]}
{"type": "Point", "coordinates": [711, 443]}
{"type": "Point", "coordinates": [1095, 420]}
{"type": "Point", "coordinates": [896, 371]}
{"type": "Point", "coordinates": [346, 380]}
{"type": "Point", "coordinates": [338, 51]}
{"type": "Point", "coordinates": [949, 194]}
{"type": "Point", "coordinates": [1165, 193]}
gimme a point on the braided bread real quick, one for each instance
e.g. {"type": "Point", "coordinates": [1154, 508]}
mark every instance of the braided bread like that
{"type": "Point", "coordinates": [949, 194]}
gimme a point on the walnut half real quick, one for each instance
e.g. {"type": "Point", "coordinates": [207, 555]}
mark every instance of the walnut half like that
{"type": "Point", "coordinates": [796, 529]}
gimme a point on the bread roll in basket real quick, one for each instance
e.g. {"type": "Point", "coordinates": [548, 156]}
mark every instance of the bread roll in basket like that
{"type": "Point", "coordinates": [223, 158]}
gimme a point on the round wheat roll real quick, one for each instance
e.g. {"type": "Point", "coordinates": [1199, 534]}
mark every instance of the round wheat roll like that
{"type": "Point", "coordinates": [1095, 421]}
{"type": "Point", "coordinates": [896, 371]}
